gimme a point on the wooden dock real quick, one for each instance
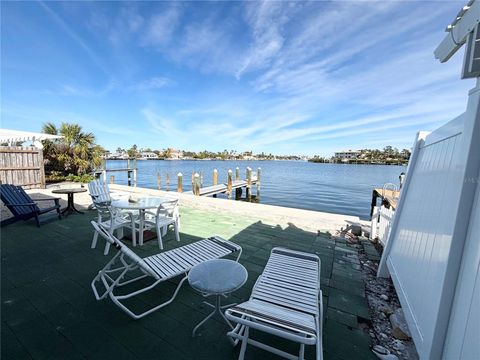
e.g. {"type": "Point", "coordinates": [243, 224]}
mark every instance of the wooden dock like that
{"type": "Point", "coordinates": [130, 170]}
{"type": "Point", "coordinates": [388, 196]}
{"type": "Point", "coordinates": [234, 183]}
{"type": "Point", "coordinates": [223, 188]}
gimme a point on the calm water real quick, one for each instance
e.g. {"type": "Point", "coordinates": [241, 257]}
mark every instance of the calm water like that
{"type": "Point", "coordinates": [335, 188]}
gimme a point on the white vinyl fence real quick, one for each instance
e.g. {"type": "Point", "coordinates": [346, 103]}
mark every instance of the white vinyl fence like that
{"type": "Point", "coordinates": [424, 253]}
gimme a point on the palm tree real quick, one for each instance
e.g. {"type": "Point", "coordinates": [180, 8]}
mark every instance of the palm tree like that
{"type": "Point", "coordinates": [75, 153]}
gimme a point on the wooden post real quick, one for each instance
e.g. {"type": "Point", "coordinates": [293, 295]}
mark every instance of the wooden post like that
{"type": "Point", "coordinates": [237, 173]}
{"type": "Point", "coordinates": [193, 179]}
{"type": "Point", "coordinates": [259, 172]}
{"type": "Point", "coordinates": [215, 176]}
{"type": "Point", "coordinates": [179, 182]}
{"type": "Point", "coordinates": [159, 180]}
{"type": "Point", "coordinates": [229, 184]}
{"type": "Point", "coordinates": [168, 182]}
{"type": "Point", "coordinates": [112, 179]}
{"type": "Point", "coordinates": [249, 184]}
{"type": "Point", "coordinates": [196, 184]}
{"type": "Point", "coordinates": [41, 163]}
{"type": "Point", "coordinates": [201, 178]}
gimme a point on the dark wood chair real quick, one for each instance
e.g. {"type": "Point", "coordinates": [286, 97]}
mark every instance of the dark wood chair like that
{"type": "Point", "coordinates": [22, 206]}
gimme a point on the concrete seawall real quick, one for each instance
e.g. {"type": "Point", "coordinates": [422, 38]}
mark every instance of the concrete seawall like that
{"type": "Point", "coordinates": [271, 214]}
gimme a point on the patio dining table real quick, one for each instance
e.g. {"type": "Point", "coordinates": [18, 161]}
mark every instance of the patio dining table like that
{"type": "Point", "coordinates": [140, 205]}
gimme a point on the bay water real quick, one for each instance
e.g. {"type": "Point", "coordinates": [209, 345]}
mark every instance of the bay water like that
{"type": "Point", "coordinates": [335, 188]}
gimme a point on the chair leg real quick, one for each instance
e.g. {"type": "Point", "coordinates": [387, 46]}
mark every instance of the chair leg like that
{"type": "Point", "coordinates": [37, 220]}
{"type": "Point", "coordinates": [107, 248]}
{"type": "Point", "coordinates": [159, 237]}
{"type": "Point", "coordinates": [243, 348]}
{"type": "Point", "coordinates": [107, 245]}
{"type": "Point", "coordinates": [134, 233]}
{"type": "Point", "coordinates": [301, 354]}
{"type": "Point", "coordinates": [177, 234]}
{"type": "Point", "coordinates": [94, 240]}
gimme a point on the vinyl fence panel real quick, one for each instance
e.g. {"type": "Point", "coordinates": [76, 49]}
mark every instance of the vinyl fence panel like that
{"type": "Point", "coordinates": [425, 247]}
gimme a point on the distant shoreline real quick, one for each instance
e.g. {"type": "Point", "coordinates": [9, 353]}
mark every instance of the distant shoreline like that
{"type": "Point", "coordinates": [283, 160]}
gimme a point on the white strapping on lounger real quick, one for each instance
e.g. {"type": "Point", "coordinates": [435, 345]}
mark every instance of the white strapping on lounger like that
{"type": "Point", "coordinates": [160, 267]}
{"type": "Point", "coordinates": [286, 301]}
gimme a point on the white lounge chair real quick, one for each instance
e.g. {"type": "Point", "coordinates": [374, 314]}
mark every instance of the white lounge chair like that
{"type": "Point", "coordinates": [166, 215]}
{"type": "Point", "coordinates": [160, 267]}
{"type": "Point", "coordinates": [286, 301]}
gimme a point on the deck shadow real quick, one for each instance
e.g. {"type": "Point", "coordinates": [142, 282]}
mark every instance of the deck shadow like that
{"type": "Point", "coordinates": [48, 309]}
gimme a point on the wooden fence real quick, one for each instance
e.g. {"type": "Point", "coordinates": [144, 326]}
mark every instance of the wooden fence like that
{"type": "Point", "coordinates": [22, 166]}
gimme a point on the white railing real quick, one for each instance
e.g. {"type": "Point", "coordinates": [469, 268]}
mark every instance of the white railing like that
{"type": "Point", "coordinates": [424, 252]}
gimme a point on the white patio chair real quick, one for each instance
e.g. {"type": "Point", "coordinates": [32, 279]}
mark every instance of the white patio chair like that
{"type": "Point", "coordinates": [113, 220]}
{"type": "Point", "coordinates": [171, 209]}
{"type": "Point", "coordinates": [166, 215]}
{"type": "Point", "coordinates": [159, 268]}
{"type": "Point", "coordinates": [99, 191]}
{"type": "Point", "coordinates": [286, 301]}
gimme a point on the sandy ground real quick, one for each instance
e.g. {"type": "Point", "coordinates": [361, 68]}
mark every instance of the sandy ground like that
{"type": "Point", "coordinates": [306, 219]}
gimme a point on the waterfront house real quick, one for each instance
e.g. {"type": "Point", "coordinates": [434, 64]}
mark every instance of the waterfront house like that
{"type": "Point", "coordinates": [347, 155]}
{"type": "Point", "coordinates": [148, 155]}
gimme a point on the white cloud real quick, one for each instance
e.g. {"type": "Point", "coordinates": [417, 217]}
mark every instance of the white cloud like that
{"type": "Point", "coordinates": [150, 84]}
{"type": "Point", "coordinates": [161, 27]}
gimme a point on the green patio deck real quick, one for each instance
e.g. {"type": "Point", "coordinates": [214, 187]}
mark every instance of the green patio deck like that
{"type": "Point", "coordinates": [49, 311]}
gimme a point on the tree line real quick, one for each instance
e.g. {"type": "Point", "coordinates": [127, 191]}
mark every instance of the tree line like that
{"type": "Point", "coordinates": [389, 155]}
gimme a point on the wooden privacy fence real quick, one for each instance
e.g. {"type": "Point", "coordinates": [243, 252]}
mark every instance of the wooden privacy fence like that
{"type": "Point", "coordinates": [22, 166]}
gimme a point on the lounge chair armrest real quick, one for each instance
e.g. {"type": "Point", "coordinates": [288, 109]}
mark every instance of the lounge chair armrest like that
{"type": "Point", "coordinates": [27, 204]}
{"type": "Point", "coordinates": [54, 199]}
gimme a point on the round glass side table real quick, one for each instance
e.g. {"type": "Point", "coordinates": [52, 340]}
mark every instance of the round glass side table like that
{"type": "Point", "coordinates": [217, 278]}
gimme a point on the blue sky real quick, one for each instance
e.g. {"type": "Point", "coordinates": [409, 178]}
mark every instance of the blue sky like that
{"type": "Point", "coordinates": [280, 77]}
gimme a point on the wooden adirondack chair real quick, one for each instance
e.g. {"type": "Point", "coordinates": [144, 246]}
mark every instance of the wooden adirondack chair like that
{"type": "Point", "coordinates": [22, 206]}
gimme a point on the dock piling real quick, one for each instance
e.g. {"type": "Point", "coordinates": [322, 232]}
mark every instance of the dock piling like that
{"type": "Point", "coordinates": [259, 172]}
{"type": "Point", "coordinates": [215, 179]}
{"type": "Point", "coordinates": [135, 172]}
{"type": "Point", "coordinates": [168, 182]}
{"type": "Point", "coordinates": [248, 192]}
{"type": "Point", "coordinates": [159, 180]}
{"type": "Point", "coordinates": [229, 184]}
{"type": "Point", "coordinates": [112, 179]}
{"type": "Point", "coordinates": [196, 184]}
{"type": "Point", "coordinates": [237, 173]}
{"type": "Point", "coordinates": [179, 182]}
